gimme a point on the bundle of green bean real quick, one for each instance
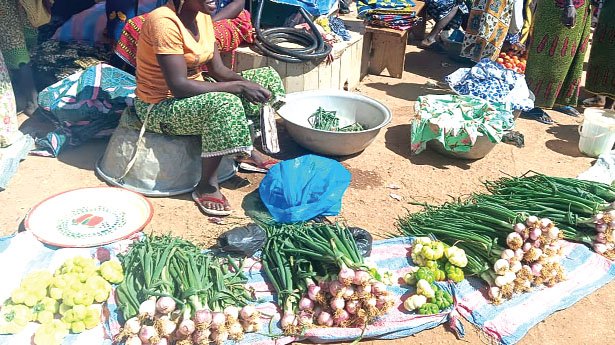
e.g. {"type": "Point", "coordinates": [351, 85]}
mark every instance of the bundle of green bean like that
{"type": "Point", "coordinates": [320, 277]}
{"type": "Point", "coordinates": [328, 121]}
{"type": "Point", "coordinates": [173, 291]}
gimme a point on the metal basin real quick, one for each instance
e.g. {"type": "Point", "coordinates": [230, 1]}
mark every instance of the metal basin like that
{"type": "Point", "coordinates": [350, 108]}
{"type": "Point", "coordinates": [164, 165]}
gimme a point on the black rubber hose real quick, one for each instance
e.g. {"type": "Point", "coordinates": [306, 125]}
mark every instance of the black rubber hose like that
{"type": "Point", "coordinates": [312, 46]}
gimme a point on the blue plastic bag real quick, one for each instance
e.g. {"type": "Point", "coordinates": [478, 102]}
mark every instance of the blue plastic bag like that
{"type": "Point", "coordinates": [300, 189]}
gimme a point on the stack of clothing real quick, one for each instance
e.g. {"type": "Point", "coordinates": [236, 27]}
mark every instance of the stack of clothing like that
{"type": "Point", "coordinates": [395, 14]}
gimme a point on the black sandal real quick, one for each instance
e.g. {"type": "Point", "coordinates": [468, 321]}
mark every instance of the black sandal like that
{"type": "Point", "coordinates": [538, 115]}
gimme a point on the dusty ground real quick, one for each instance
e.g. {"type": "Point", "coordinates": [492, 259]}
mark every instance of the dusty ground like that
{"type": "Point", "coordinates": [367, 203]}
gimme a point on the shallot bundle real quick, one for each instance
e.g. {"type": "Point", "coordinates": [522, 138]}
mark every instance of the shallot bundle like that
{"type": "Point", "coordinates": [160, 323]}
{"type": "Point", "coordinates": [531, 259]}
{"type": "Point", "coordinates": [321, 278]}
{"type": "Point", "coordinates": [604, 242]}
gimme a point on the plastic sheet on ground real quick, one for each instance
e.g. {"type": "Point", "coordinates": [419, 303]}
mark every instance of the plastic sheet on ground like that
{"type": "Point", "coordinates": [11, 156]}
{"type": "Point", "coordinates": [25, 254]}
{"type": "Point", "coordinates": [602, 171]}
{"type": "Point", "coordinates": [389, 254]}
{"type": "Point", "coordinates": [508, 322]}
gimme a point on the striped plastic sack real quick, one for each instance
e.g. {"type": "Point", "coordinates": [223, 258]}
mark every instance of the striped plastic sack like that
{"type": "Point", "coordinates": [508, 322]}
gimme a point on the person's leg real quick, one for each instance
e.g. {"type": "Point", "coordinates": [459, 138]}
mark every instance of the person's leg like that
{"type": "Point", "coordinates": [208, 188]}
{"type": "Point", "coordinates": [26, 89]}
{"type": "Point", "coordinates": [437, 29]}
{"type": "Point", "coordinates": [608, 103]}
{"type": "Point", "coordinates": [219, 119]}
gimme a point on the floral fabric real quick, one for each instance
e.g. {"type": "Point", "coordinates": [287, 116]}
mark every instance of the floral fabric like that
{"type": "Point", "coordinates": [457, 121]}
{"type": "Point", "coordinates": [494, 83]}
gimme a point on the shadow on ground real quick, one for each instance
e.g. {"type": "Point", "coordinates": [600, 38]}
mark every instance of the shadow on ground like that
{"type": "Point", "coordinates": [397, 139]}
{"type": "Point", "coordinates": [408, 91]}
{"type": "Point", "coordinates": [566, 140]}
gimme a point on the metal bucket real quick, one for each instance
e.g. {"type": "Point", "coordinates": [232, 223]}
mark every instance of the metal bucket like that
{"type": "Point", "coordinates": [164, 165]}
{"type": "Point", "coordinates": [350, 108]}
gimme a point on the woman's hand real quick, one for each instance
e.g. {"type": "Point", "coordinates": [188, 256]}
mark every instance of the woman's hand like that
{"type": "Point", "coordinates": [254, 93]}
{"type": "Point", "coordinates": [569, 16]}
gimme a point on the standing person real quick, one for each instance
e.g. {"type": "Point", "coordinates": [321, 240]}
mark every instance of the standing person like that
{"type": "Point", "coordinates": [8, 112]}
{"type": "Point", "coordinates": [174, 98]}
{"type": "Point", "coordinates": [448, 14]}
{"type": "Point", "coordinates": [18, 37]}
{"type": "Point", "coordinates": [600, 68]}
{"type": "Point", "coordinates": [488, 25]}
{"type": "Point", "coordinates": [555, 56]}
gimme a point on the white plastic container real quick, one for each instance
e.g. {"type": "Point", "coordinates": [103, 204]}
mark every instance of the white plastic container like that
{"type": "Point", "coordinates": [597, 133]}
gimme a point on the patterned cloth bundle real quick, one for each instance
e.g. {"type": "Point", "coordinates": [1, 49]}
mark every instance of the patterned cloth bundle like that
{"type": "Point", "coordinates": [395, 14]}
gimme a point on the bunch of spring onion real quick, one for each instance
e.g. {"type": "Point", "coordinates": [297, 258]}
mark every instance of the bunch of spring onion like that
{"type": "Point", "coordinates": [328, 121]}
{"type": "Point", "coordinates": [469, 227]}
{"type": "Point", "coordinates": [176, 293]}
{"type": "Point", "coordinates": [604, 242]}
{"type": "Point", "coordinates": [531, 259]}
{"type": "Point", "coordinates": [321, 278]}
{"type": "Point", "coordinates": [65, 301]}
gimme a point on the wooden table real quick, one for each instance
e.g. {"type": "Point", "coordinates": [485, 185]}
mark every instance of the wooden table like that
{"type": "Point", "coordinates": [388, 46]}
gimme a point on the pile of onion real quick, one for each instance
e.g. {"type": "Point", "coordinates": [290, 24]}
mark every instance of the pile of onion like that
{"type": "Point", "coordinates": [160, 323]}
{"type": "Point", "coordinates": [532, 259]}
{"type": "Point", "coordinates": [604, 242]}
{"type": "Point", "coordinates": [354, 299]}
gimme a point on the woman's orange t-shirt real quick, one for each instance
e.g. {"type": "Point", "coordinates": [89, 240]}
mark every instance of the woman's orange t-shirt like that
{"type": "Point", "coordinates": [164, 33]}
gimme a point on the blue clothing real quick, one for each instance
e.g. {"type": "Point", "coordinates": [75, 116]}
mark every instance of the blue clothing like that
{"type": "Point", "coordinates": [438, 9]}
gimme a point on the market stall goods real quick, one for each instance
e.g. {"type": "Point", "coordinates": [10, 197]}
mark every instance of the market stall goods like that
{"type": "Point", "coordinates": [328, 121]}
{"type": "Point", "coordinates": [65, 301]}
{"type": "Point", "coordinates": [511, 238]}
{"type": "Point", "coordinates": [321, 278]}
{"type": "Point", "coordinates": [511, 61]}
{"type": "Point", "coordinates": [175, 292]}
{"type": "Point", "coordinates": [437, 262]}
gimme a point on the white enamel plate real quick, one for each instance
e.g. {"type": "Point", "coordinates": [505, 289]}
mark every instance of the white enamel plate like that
{"type": "Point", "coordinates": [89, 217]}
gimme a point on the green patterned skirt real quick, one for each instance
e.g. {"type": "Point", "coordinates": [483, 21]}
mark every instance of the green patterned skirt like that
{"type": "Point", "coordinates": [220, 118]}
{"type": "Point", "coordinates": [601, 67]}
{"type": "Point", "coordinates": [556, 53]}
{"type": "Point", "coordinates": [17, 36]}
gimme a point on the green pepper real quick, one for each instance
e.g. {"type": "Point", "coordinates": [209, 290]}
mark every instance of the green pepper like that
{"type": "Point", "coordinates": [426, 274]}
{"type": "Point", "coordinates": [439, 275]}
{"type": "Point", "coordinates": [428, 309]}
{"type": "Point", "coordinates": [432, 264]}
{"type": "Point", "coordinates": [433, 251]}
{"type": "Point", "coordinates": [442, 299]}
{"type": "Point", "coordinates": [453, 272]}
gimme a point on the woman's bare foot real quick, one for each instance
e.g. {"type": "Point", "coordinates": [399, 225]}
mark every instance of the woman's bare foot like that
{"type": "Point", "coordinates": [427, 42]}
{"type": "Point", "coordinates": [257, 162]}
{"type": "Point", "coordinates": [211, 201]}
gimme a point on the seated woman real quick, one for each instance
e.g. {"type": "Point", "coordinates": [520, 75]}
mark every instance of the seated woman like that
{"type": "Point", "coordinates": [173, 97]}
{"type": "Point", "coordinates": [448, 14]}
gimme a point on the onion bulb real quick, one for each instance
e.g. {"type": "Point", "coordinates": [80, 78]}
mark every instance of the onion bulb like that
{"type": "Point", "coordinates": [325, 319]}
{"type": "Point", "coordinates": [186, 328]}
{"type": "Point", "coordinates": [165, 305]}
{"type": "Point", "coordinates": [147, 309]}
{"type": "Point", "coordinates": [361, 277]}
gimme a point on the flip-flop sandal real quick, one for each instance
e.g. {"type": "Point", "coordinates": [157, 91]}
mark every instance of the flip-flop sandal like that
{"type": "Point", "coordinates": [209, 211]}
{"type": "Point", "coordinates": [568, 110]}
{"type": "Point", "coordinates": [249, 165]}
{"type": "Point", "coordinates": [538, 115]}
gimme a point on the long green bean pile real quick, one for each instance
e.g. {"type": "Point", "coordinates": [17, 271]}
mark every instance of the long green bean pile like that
{"type": "Point", "coordinates": [320, 277]}
{"type": "Point", "coordinates": [174, 290]}
{"type": "Point", "coordinates": [517, 223]}
{"type": "Point", "coordinates": [328, 121]}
